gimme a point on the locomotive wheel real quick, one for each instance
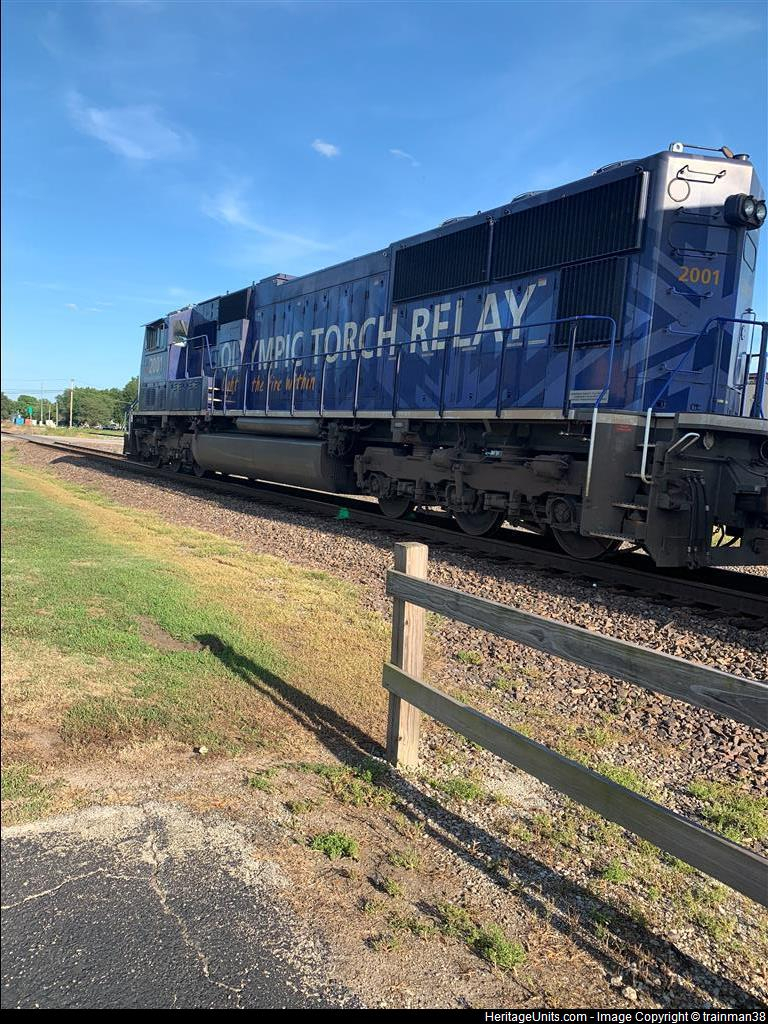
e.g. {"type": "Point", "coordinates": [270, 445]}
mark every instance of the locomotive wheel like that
{"type": "Point", "coordinates": [395, 508]}
{"type": "Point", "coordinates": [585, 548]}
{"type": "Point", "coordinates": [480, 524]}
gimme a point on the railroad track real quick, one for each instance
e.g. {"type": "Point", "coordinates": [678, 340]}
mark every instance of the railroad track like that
{"type": "Point", "coordinates": [732, 593]}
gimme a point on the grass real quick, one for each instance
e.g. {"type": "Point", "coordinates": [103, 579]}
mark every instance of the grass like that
{"type": "Point", "coordinates": [461, 789]}
{"type": "Point", "coordinates": [66, 432]}
{"type": "Point", "coordinates": [357, 786]}
{"type": "Point", "coordinates": [119, 633]}
{"type": "Point", "coordinates": [24, 796]}
{"type": "Point", "coordinates": [615, 871]}
{"type": "Point", "coordinates": [409, 859]}
{"type": "Point", "coordinates": [489, 943]}
{"type": "Point", "coordinates": [391, 887]}
{"type": "Point", "coordinates": [469, 657]}
{"type": "Point", "coordinates": [335, 845]}
{"type": "Point", "coordinates": [730, 810]}
{"type": "Point", "coordinates": [628, 778]}
{"type": "Point", "coordinates": [505, 685]}
{"type": "Point", "coordinates": [261, 780]}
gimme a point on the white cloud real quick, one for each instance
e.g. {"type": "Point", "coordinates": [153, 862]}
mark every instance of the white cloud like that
{"type": "Point", "coordinates": [136, 132]}
{"type": "Point", "coordinates": [402, 155]}
{"type": "Point", "coordinates": [326, 149]}
{"type": "Point", "coordinates": [229, 207]}
{"type": "Point", "coordinates": [83, 309]}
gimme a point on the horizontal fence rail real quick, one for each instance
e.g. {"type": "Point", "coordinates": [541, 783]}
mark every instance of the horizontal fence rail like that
{"type": "Point", "coordinates": [745, 700]}
{"type": "Point", "coordinates": [738, 867]}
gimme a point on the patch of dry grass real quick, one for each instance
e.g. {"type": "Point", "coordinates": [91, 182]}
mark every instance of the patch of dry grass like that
{"type": "Point", "coordinates": [148, 633]}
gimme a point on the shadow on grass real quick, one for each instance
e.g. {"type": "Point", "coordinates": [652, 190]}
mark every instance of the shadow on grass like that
{"type": "Point", "coordinates": [342, 738]}
{"type": "Point", "coordinates": [567, 906]}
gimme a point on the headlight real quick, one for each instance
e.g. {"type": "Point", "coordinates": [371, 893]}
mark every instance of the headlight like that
{"type": "Point", "coordinates": [744, 211]}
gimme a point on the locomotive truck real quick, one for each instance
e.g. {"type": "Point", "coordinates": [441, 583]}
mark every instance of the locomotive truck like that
{"type": "Point", "coordinates": [583, 362]}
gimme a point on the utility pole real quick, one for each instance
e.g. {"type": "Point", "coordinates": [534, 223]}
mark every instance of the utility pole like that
{"type": "Point", "coordinates": [57, 412]}
{"type": "Point", "coordinates": [71, 400]}
{"type": "Point", "coordinates": [42, 387]}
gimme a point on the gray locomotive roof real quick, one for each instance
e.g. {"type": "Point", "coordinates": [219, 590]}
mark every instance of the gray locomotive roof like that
{"type": "Point", "coordinates": [378, 261]}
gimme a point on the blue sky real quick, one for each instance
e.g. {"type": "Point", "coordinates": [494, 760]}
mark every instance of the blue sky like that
{"type": "Point", "coordinates": [161, 153]}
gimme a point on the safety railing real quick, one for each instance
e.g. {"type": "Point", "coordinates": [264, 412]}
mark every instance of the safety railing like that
{"type": "Point", "coordinates": [286, 369]}
{"type": "Point", "coordinates": [728, 696]}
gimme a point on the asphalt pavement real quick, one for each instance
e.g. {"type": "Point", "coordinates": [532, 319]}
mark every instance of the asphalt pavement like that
{"type": "Point", "coordinates": [152, 907]}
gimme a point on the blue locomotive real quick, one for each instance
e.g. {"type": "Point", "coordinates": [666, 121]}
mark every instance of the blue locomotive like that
{"type": "Point", "coordinates": [583, 362]}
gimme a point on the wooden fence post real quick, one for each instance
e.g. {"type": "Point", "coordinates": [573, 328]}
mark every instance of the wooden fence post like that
{"type": "Point", "coordinates": [408, 654]}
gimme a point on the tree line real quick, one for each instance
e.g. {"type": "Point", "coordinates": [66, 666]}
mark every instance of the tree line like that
{"type": "Point", "coordinates": [89, 405]}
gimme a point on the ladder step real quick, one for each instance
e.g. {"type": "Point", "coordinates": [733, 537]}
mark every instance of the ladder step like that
{"type": "Point", "coordinates": [631, 506]}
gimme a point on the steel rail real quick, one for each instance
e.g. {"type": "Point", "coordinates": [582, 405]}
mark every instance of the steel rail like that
{"type": "Point", "coordinates": [729, 592]}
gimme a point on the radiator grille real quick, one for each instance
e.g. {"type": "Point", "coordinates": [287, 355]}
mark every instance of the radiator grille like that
{"type": "Point", "coordinates": [595, 289]}
{"type": "Point", "coordinates": [591, 224]}
{"type": "Point", "coordinates": [442, 264]}
{"type": "Point", "coordinates": [234, 306]}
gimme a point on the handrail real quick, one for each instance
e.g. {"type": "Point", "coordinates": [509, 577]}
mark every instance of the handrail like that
{"type": "Point", "coordinates": [721, 320]}
{"type": "Point", "coordinates": [757, 404]}
{"type": "Point", "coordinates": [396, 350]}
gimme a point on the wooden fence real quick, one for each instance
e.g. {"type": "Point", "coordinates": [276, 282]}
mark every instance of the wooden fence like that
{"type": "Point", "coordinates": [744, 700]}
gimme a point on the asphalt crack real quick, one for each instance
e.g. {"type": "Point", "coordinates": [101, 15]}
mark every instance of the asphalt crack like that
{"type": "Point", "coordinates": [156, 857]}
{"type": "Point", "coordinates": [69, 881]}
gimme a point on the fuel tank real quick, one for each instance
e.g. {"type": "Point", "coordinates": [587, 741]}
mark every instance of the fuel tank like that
{"type": "Point", "coordinates": [285, 460]}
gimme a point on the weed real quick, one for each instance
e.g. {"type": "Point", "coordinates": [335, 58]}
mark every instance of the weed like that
{"type": "Point", "coordinates": [385, 943]}
{"type": "Point", "coordinates": [415, 925]}
{"type": "Point", "coordinates": [356, 786]}
{"type": "Point", "coordinates": [505, 684]}
{"type": "Point", "coordinates": [456, 922]}
{"type": "Point", "coordinates": [469, 657]}
{"type": "Point", "coordinates": [335, 845]}
{"type": "Point", "coordinates": [602, 920]}
{"type": "Point", "coordinates": [409, 859]}
{"type": "Point", "coordinates": [517, 830]}
{"type": "Point", "coordinates": [464, 790]}
{"type": "Point", "coordinates": [371, 907]}
{"type": "Point", "coordinates": [391, 887]}
{"type": "Point", "coordinates": [731, 811]}
{"type": "Point", "coordinates": [598, 737]}
{"type": "Point", "coordinates": [624, 776]}
{"type": "Point", "coordinates": [261, 780]}
{"type": "Point", "coordinates": [301, 806]}
{"type": "Point", "coordinates": [491, 944]}
{"type": "Point", "coordinates": [614, 871]}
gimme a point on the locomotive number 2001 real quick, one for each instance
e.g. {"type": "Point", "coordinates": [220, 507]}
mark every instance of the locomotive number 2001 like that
{"type": "Point", "coordinates": [699, 275]}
